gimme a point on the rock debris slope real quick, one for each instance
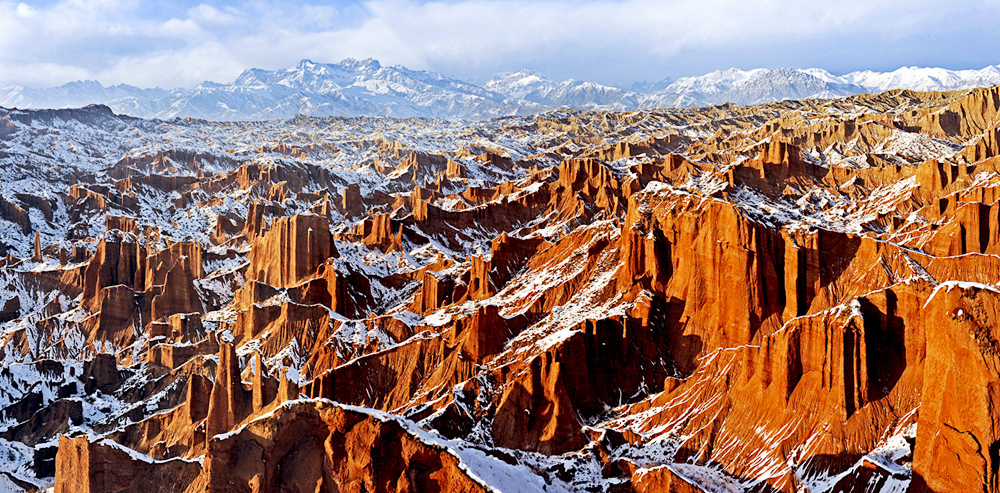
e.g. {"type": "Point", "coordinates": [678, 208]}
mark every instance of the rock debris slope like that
{"type": "Point", "coordinates": [798, 296]}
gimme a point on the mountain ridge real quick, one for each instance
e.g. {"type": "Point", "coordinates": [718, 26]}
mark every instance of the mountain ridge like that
{"type": "Point", "coordinates": [365, 87]}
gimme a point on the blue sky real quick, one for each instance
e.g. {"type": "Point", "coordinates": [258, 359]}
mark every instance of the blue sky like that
{"type": "Point", "coordinates": [180, 44]}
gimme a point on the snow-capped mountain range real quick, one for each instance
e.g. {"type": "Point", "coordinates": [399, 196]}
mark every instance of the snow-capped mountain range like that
{"type": "Point", "coordinates": [366, 88]}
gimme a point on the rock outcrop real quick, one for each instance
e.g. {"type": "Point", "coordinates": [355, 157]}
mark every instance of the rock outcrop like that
{"type": "Point", "coordinates": [291, 250]}
{"type": "Point", "coordinates": [99, 467]}
{"type": "Point", "coordinates": [318, 446]}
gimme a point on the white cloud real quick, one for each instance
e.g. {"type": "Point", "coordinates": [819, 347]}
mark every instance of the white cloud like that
{"type": "Point", "coordinates": [24, 10]}
{"type": "Point", "coordinates": [208, 15]}
{"type": "Point", "coordinates": [203, 62]}
{"type": "Point", "coordinates": [120, 41]}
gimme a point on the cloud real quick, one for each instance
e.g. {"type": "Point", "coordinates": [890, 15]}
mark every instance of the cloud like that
{"type": "Point", "coordinates": [126, 41]}
{"type": "Point", "coordinates": [210, 16]}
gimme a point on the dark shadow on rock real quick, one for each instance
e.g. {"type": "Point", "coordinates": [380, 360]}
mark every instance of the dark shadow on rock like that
{"type": "Point", "coordinates": [885, 344]}
{"type": "Point", "coordinates": [684, 349]}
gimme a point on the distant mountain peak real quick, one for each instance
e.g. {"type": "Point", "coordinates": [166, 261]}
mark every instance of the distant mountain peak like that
{"type": "Point", "coordinates": [521, 78]}
{"type": "Point", "coordinates": [525, 72]}
{"type": "Point", "coordinates": [359, 65]}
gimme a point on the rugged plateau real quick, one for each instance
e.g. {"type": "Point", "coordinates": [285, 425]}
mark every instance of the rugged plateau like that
{"type": "Point", "coordinates": [796, 296]}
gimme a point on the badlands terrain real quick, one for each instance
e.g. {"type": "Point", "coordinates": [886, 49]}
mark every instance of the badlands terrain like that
{"type": "Point", "coordinates": [797, 296]}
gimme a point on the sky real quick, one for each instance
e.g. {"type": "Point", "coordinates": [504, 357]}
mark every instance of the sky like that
{"type": "Point", "coordinates": [183, 43]}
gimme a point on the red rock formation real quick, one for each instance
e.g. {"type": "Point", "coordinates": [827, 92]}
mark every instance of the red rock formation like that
{"type": "Point", "coordinates": [957, 443]}
{"type": "Point", "coordinates": [185, 327]}
{"type": "Point", "coordinates": [263, 391]}
{"type": "Point", "coordinates": [508, 255]}
{"type": "Point", "coordinates": [179, 432]}
{"type": "Point", "coordinates": [175, 270]}
{"type": "Point", "coordinates": [591, 181]}
{"type": "Point", "coordinates": [100, 373]}
{"type": "Point", "coordinates": [318, 446]}
{"type": "Point", "coordinates": [117, 317]}
{"type": "Point", "coordinates": [229, 402]}
{"type": "Point", "coordinates": [435, 292]}
{"type": "Point", "coordinates": [777, 166]}
{"type": "Point", "coordinates": [226, 227]}
{"type": "Point", "coordinates": [255, 224]}
{"type": "Point", "coordinates": [351, 203]}
{"type": "Point", "coordinates": [535, 412]}
{"type": "Point", "coordinates": [115, 262]}
{"type": "Point", "coordinates": [37, 256]}
{"type": "Point", "coordinates": [291, 250]}
{"type": "Point", "coordinates": [15, 214]}
{"type": "Point", "coordinates": [347, 294]}
{"type": "Point", "coordinates": [663, 479]}
{"type": "Point", "coordinates": [175, 355]}
{"type": "Point", "coordinates": [419, 167]}
{"type": "Point", "coordinates": [485, 333]}
{"type": "Point", "coordinates": [86, 466]}
{"type": "Point", "coordinates": [121, 223]}
{"type": "Point", "coordinates": [379, 232]}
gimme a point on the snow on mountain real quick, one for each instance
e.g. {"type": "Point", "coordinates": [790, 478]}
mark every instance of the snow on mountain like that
{"type": "Point", "coordinates": [750, 87]}
{"type": "Point", "coordinates": [518, 85]}
{"type": "Point", "coordinates": [349, 88]}
{"type": "Point", "coordinates": [78, 94]}
{"type": "Point", "coordinates": [366, 88]}
{"type": "Point", "coordinates": [647, 87]}
{"type": "Point", "coordinates": [925, 79]}
{"type": "Point", "coordinates": [780, 84]}
{"type": "Point", "coordinates": [531, 87]}
{"type": "Point", "coordinates": [714, 82]}
{"type": "Point", "coordinates": [764, 85]}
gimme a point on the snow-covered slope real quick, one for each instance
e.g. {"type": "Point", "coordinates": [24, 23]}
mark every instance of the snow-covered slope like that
{"type": "Point", "coordinates": [764, 85]}
{"type": "Point", "coordinates": [349, 88]}
{"type": "Point", "coordinates": [747, 87]}
{"type": "Point", "coordinates": [81, 93]}
{"type": "Point", "coordinates": [528, 88]}
{"type": "Point", "coordinates": [924, 79]}
{"type": "Point", "coordinates": [366, 88]}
